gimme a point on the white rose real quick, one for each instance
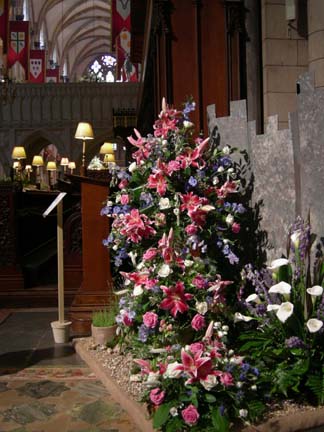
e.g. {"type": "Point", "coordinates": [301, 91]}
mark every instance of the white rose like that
{"type": "Point", "coordinates": [164, 203]}
{"type": "Point", "coordinates": [202, 307]}
{"type": "Point", "coordinates": [164, 271]}
{"type": "Point", "coordinates": [215, 181]}
{"type": "Point", "coordinates": [229, 219]}
{"type": "Point", "coordinates": [118, 198]}
{"type": "Point", "coordinates": [243, 412]}
{"type": "Point", "coordinates": [226, 150]}
{"type": "Point", "coordinates": [187, 124]}
{"type": "Point", "coordinates": [210, 382]}
{"type": "Point", "coordinates": [171, 371]}
{"type": "Point", "coordinates": [173, 411]}
{"type": "Point", "coordinates": [132, 167]}
{"type": "Point", "coordinates": [138, 290]}
{"type": "Point", "coordinates": [220, 169]}
{"type": "Point", "coordinates": [188, 263]}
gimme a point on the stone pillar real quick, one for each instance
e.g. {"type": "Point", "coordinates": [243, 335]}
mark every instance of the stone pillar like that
{"type": "Point", "coordinates": [315, 40]}
{"type": "Point", "coordinates": [253, 62]}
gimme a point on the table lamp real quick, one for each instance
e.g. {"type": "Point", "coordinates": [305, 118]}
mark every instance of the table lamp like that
{"type": "Point", "coordinates": [71, 166]}
{"type": "Point", "coordinates": [38, 162]}
{"type": "Point", "coordinates": [18, 153]}
{"type": "Point", "coordinates": [83, 132]}
{"type": "Point", "coordinates": [64, 163]}
{"type": "Point", "coordinates": [51, 168]}
{"type": "Point", "coordinates": [107, 149]}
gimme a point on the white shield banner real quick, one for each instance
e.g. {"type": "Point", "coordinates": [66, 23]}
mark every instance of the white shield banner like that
{"type": "Point", "coordinates": [36, 67]}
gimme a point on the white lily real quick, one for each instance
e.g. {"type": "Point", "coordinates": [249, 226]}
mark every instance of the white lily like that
{"type": "Point", "coordinates": [272, 307]}
{"type": "Point", "coordinates": [285, 310]}
{"type": "Point", "coordinates": [133, 256]}
{"type": "Point", "coordinates": [239, 317]}
{"type": "Point", "coordinates": [280, 288]}
{"type": "Point", "coordinates": [254, 298]}
{"type": "Point", "coordinates": [277, 263]}
{"type": "Point", "coordinates": [314, 325]}
{"type": "Point", "coordinates": [316, 290]}
{"type": "Point", "coordinates": [295, 236]}
{"type": "Point", "coordinates": [132, 167]}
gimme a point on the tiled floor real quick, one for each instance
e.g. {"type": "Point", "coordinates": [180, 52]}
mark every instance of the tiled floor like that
{"type": "Point", "coordinates": [45, 388]}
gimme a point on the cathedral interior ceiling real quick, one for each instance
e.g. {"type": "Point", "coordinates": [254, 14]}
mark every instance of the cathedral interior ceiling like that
{"type": "Point", "coordinates": [78, 30]}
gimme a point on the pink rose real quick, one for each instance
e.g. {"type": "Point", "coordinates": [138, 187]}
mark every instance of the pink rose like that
{"type": "Point", "coordinates": [124, 199]}
{"type": "Point", "coordinates": [157, 396]}
{"type": "Point", "coordinates": [199, 282]}
{"type": "Point", "coordinates": [123, 184]}
{"type": "Point", "coordinates": [190, 415]}
{"type": "Point", "coordinates": [197, 347]}
{"type": "Point", "coordinates": [227, 379]}
{"type": "Point", "coordinates": [150, 319]}
{"type": "Point", "coordinates": [198, 322]}
{"type": "Point", "coordinates": [191, 229]}
{"type": "Point", "coordinates": [236, 228]}
{"type": "Point", "coordinates": [150, 254]}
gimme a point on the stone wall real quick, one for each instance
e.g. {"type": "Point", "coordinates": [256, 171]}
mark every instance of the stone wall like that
{"type": "Point", "coordinates": [48, 113]}
{"type": "Point", "coordinates": [287, 164]}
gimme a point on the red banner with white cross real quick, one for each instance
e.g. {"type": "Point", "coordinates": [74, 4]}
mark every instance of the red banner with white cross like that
{"type": "Point", "coordinates": [18, 49]}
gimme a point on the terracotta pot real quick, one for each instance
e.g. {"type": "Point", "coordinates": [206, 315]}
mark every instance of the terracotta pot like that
{"type": "Point", "coordinates": [103, 335]}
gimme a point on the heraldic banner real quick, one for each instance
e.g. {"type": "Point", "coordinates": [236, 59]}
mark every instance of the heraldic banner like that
{"type": "Point", "coordinates": [121, 17]}
{"type": "Point", "coordinates": [52, 75]}
{"type": "Point", "coordinates": [4, 11]}
{"type": "Point", "coordinates": [18, 48]}
{"type": "Point", "coordinates": [37, 66]}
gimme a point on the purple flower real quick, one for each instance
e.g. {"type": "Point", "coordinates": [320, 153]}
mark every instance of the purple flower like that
{"type": "Point", "coordinates": [192, 181]}
{"type": "Point", "coordinates": [294, 342]}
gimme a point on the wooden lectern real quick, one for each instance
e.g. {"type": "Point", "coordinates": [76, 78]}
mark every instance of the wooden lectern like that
{"type": "Point", "coordinates": [95, 291]}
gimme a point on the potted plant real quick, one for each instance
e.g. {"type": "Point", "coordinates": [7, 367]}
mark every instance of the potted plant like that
{"type": "Point", "coordinates": [103, 327]}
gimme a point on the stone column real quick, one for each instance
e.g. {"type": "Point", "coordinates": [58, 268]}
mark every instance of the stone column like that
{"type": "Point", "coordinates": [315, 40]}
{"type": "Point", "coordinates": [253, 63]}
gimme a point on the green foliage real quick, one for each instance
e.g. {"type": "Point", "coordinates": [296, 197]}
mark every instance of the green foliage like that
{"type": "Point", "coordinates": [104, 318]}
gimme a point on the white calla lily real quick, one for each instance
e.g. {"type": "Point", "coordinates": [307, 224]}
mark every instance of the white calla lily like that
{"type": "Point", "coordinates": [314, 325]}
{"type": "Point", "coordinates": [272, 307]}
{"type": "Point", "coordinates": [254, 298]}
{"type": "Point", "coordinates": [316, 290]}
{"type": "Point", "coordinates": [277, 263]}
{"type": "Point", "coordinates": [285, 310]}
{"type": "Point", "coordinates": [295, 236]}
{"type": "Point", "coordinates": [280, 288]}
{"type": "Point", "coordinates": [239, 317]}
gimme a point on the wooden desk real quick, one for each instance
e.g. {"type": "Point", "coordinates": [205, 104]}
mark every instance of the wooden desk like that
{"type": "Point", "coordinates": [95, 291]}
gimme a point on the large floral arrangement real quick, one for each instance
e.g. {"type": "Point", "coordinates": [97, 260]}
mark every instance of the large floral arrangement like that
{"type": "Point", "coordinates": [283, 318]}
{"type": "Point", "coordinates": [176, 222]}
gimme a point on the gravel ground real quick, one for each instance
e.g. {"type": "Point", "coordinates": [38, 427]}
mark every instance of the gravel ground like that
{"type": "Point", "coordinates": [118, 365]}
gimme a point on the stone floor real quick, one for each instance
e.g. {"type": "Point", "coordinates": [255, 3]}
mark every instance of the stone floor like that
{"type": "Point", "coordinates": [46, 387]}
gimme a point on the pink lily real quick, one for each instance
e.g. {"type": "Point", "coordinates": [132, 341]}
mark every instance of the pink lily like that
{"type": "Point", "coordinates": [196, 366]}
{"type": "Point", "coordinates": [176, 300]}
{"type": "Point", "coordinates": [157, 181]}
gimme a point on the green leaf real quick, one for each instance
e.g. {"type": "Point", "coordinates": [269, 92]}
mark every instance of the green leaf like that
{"type": "Point", "coordinates": [174, 425]}
{"type": "Point", "coordinates": [220, 423]}
{"type": "Point", "coordinates": [161, 415]}
{"type": "Point", "coordinates": [210, 398]}
{"type": "Point", "coordinates": [316, 384]}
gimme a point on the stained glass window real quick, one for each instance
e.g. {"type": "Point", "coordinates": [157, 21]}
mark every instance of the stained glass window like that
{"type": "Point", "coordinates": [102, 69]}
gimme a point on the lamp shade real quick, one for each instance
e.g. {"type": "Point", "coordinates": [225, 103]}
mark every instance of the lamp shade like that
{"type": "Point", "coordinates": [71, 165]}
{"type": "Point", "coordinates": [107, 148]}
{"type": "Point", "coordinates": [18, 153]}
{"type": "Point", "coordinates": [109, 158]}
{"type": "Point", "coordinates": [15, 165]}
{"type": "Point", "coordinates": [38, 160]}
{"type": "Point", "coordinates": [51, 166]}
{"type": "Point", "coordinates": [28, 168]}
{"type": "Point", "coordinates": [84, 131]}
{"type": "Point", "coordinates": [64, 162]}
